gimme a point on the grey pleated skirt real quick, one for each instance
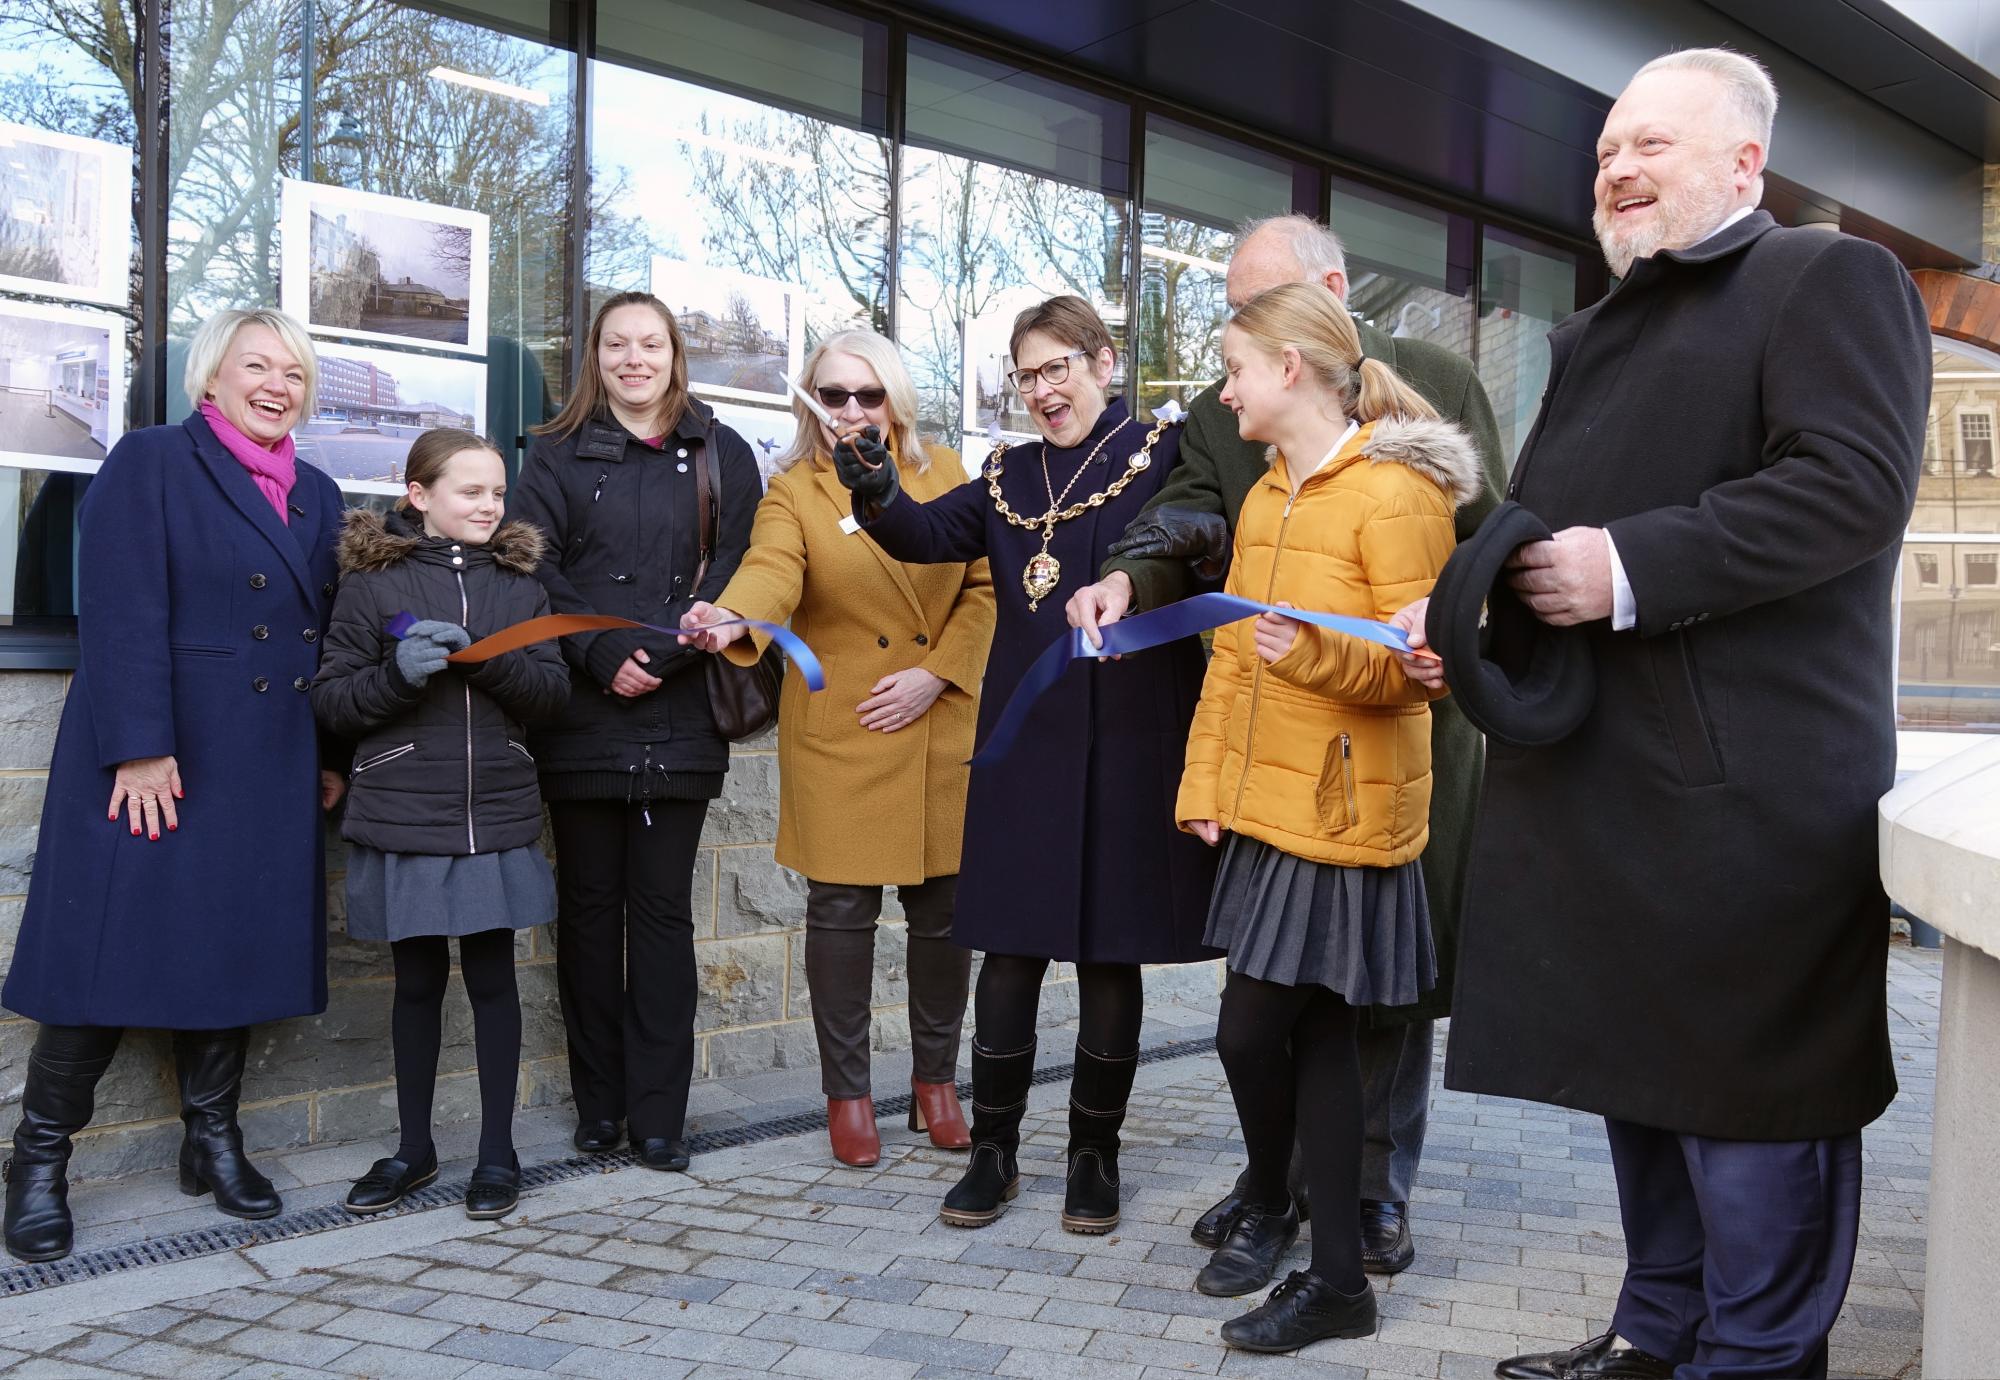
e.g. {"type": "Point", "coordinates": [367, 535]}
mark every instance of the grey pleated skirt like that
{"type": "Point", "coordinates": [393, 896]}
{"type": "Point", "coordinates": [1364, 932]}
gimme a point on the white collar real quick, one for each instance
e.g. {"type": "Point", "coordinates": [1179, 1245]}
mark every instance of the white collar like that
{"type": "Point", "coordinates": [1727, 221]}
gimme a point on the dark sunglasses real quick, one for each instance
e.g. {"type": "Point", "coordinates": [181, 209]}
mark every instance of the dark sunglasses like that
{"type": "Point", "coordinates": [837, 397]}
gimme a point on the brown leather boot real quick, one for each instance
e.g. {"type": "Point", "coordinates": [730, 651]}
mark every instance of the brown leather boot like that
{"type": "Point", "coordinates": [934, 1107]}
{"type": "Point", "coordinates": [850, 1124]}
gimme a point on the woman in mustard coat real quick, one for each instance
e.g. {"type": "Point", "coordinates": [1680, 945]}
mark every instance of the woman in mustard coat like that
{"type": "Point", "coordinates": [904, 647]}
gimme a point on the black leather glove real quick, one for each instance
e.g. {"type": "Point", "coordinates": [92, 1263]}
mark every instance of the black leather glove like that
{"type": "Point", "coordinates": [1181, 534]}
{"type": "Point", "coordinates": [866, 469]}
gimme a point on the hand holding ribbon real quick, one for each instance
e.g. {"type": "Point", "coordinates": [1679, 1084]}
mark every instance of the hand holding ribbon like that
{"type": "Point", "coordinates": [1187, 618]}
{"type": "Point", "coordinates": [552, 625]}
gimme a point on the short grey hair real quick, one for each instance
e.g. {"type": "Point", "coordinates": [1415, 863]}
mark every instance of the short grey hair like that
{"type": "Point", "coordinates": [210, 347]}
{"type": "Point", "coordinates": [1317, 248]}
{"type": "Point", "coordinates": [1749, 87]}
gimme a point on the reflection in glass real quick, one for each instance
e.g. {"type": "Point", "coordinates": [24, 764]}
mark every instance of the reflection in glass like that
{"type": "Point", "coordinates": [1409, 271]}
{"type": "Point", "coordinates": [1948, 668]}
{"type": "Point", "coordinates": [1524, 289]}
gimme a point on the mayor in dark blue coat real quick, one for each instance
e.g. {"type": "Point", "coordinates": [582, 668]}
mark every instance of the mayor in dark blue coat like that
{"type": "Point", "coordinates": [179, 879]}
{"type": "Point", "coordinates": [1071, 849]}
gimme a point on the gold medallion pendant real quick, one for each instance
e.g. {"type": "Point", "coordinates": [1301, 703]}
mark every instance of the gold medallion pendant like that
{"type": "Point", "coordinates": [1043, 574]}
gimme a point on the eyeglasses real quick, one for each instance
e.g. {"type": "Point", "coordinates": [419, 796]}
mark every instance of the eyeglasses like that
{"type": "Point", "coordinates": [1054, 372]}
{"type": "Point", "coordinates": [837, 397]}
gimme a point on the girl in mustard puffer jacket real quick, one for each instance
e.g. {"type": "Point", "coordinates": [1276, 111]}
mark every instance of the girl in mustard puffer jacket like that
{"type": "Point", "coordinates": [1310, 751]}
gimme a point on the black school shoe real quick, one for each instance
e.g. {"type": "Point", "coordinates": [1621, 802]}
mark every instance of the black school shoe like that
{"type": "Point", "coordinates": [1303, 1310]}
{"type": "Point", "coordinates": [657, 1152]}
{"type": "Point", "coordinates": [387, 1181]}
{"type": "Point", "coordinates": [1249, 1255]}
{"type": "Point", "coordinates": [494, 1192]}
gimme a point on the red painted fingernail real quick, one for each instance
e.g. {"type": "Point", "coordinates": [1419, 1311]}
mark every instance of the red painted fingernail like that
{"type": "Point", "coordinates": [112, 815]}
{"type": "Point", "coordinates": [173, 828]}
{"type": "Point", "coordinates": [154, 837]}
{"type": "Point", "coordinates": [135, 833]}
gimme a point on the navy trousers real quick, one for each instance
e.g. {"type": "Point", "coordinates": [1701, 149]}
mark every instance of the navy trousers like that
{"type": "Point", "coordinates": [1738, 1252]}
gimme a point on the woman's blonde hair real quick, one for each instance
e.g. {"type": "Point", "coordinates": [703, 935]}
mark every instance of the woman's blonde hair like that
{"type": "Point", "coordinates": [212, 339]}
{"type": "Point", "coordinates": [591, 397]}
{"type": "Point", "coordinates": [1307, 318]}
{"type": "Point", "coordinates": [886, 360]}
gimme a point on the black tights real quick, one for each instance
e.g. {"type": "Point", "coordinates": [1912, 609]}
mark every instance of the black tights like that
{"type": "Point", "coordinates": [1110, 995]}
{"type": "Point", "coordinates": [423, 965]}
{"type": "Point", "coordinates": [1289, 1054]}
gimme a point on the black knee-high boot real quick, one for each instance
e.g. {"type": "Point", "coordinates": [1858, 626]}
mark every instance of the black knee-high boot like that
{"type": "Point", "coordinates": [1098, 1092]}
{"type": "Point", "coordinates": [210, 1065]}
{"type": "Point", "coordinates": [999, 1097]}
{"type": "Point", "coordinates": [56, 1103]}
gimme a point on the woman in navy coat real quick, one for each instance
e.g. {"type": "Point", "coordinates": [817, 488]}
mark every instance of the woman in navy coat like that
{"type": "Point", "coordinates": [1071, 849]}
{"type": "Point", "coordinates": [179, 880]}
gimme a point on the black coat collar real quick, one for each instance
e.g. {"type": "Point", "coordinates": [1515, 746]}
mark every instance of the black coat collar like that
{"type": "Point", "coordinates": [1729, 240]}
{"type": "Point", "coordinates": [602, 438]}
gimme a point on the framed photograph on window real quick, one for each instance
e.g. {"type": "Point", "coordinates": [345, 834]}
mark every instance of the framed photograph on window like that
{"type": "Point", "coordinates": [65, 216]}
{"type": "Point", "coordinates": [769, 430]}
{"type": "Point", "coordinates": [745, 336]}
{"type": "Point", "coordinates": [372, 267]}
{"type": "Point", "coordinates": [62, 386]}
{"type": "Point", "coordinates": [373, 403]}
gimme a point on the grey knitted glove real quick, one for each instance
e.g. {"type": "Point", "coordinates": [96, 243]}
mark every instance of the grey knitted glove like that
{"type": "Point", "coordinates": [422, 652]}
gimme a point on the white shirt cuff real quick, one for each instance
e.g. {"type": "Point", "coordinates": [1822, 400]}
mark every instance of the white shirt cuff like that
{"type": "Point", "coordinates": [1624, 608]}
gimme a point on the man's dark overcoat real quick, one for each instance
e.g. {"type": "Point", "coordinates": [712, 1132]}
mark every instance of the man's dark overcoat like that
{"type": "Point", "coordinates": [1674, 916]}
{"type": "Point", "coordinates": [1071, 849]}
{"type": "Point", "coordinates": [199, 617]}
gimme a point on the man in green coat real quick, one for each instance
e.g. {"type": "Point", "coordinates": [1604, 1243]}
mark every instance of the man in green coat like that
{"type": "Point", "coordinates": [1184, 534]}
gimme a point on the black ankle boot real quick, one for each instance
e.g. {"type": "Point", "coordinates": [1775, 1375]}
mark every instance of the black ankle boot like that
{"type": "Point", "coordinates": [210, 1065]}
{"type": "Point", "coordinates": [999, 1097]}
{"type": "Point", "coordinates": [1098, 1092]}
{"type": "Point", "coordinates": [57, 1101]}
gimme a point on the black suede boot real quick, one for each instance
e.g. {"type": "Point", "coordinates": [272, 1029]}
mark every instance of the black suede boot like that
{"type": "Point", "coordinates": [59, 1096]}
{"type": "Point", "coordinates": [999, 1097]}
{"type": "Point", "coordinates": [210, 1065]}
{"type": "Point", "coordinates": [1098, 1092]}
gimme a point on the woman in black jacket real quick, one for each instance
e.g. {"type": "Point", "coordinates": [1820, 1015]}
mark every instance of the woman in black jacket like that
{"type": "Point", "coordinates": [443, 815]}
{"type": "Point", "coordinates": [630, 766]}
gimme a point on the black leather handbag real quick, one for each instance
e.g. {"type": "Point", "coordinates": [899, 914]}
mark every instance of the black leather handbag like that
{"type": "Point", "coordinates": [743, 699]}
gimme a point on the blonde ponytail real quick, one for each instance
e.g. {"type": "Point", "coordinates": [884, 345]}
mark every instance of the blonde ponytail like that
{"type": "Point", "coordinates": [1307, 318]}
{"type": "Point", "coordinates": [1384, 393]}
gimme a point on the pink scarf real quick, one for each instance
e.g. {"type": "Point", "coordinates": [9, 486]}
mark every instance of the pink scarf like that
{"type": "Point", "coordinates": [274, 470]}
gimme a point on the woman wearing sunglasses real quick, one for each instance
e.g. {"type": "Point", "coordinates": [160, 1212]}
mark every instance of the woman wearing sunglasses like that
{"type": "Point", "coordinates": [904, 647]}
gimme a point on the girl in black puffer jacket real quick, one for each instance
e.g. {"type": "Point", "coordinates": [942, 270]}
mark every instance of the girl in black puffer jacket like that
{"type": "Point", "coordinates": [444, 813]}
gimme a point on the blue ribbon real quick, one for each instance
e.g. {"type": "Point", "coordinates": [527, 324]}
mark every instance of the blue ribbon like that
{"type": "Point", "coordinates": [1188, 618]}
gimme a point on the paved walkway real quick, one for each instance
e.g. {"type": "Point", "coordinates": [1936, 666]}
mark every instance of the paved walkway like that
{"type": "Point", "coordinates": [772, 1260]}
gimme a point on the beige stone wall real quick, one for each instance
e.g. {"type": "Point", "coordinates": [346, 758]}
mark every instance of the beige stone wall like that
{"type": "Point", "coordinates": [329, 1077]}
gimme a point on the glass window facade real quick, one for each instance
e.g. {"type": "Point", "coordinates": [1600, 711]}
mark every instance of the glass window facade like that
{"type": "Point", "coordinates": [1525, 287]}
{"type": "Point", "coordinates": [1948, 649]}
{"type": "Point", "coordinates": [444, 192]}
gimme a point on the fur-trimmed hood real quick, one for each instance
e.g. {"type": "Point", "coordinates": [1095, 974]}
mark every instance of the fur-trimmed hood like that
{"type": "Point", "coordinates": [1438, 450]}
{"type": "Point", "coordinates": [369, 541]}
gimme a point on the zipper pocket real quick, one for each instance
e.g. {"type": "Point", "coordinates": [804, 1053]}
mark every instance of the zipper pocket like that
{"type": "Point", "coordinates": [520, 748]}
{"type": "Point", "coordinates": [379, 758]}
{"type": "Point", "coordinates": [1335, 794]}
{"type": "Point", "coordinates": [1347, 778]}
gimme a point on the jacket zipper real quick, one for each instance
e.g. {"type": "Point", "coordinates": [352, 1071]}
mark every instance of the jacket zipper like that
{"type": "Point", "coordinates": [1347, 778]}
{"type": "Point", "coordinates": [465, 621]}
{"type": "Point", "coordinates": [1257, 672]}
{"type": "Point", "coordinates": [379, 758]}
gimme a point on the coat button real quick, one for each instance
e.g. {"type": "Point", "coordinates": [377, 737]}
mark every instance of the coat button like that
{"type": "Point", "coordinates": [881, 641]}
{"type": "Point", "coordinates": [326, 590]}
{"type": "Point", "coordinates": [260, 632]}
{"type": "Point", "coordinates": [923, 641]}
{"type": "Point", "coordinates": [257, 582]}
{"type": "Point", "coordinates": [310, 634]}
{"type": "Point", "coordinates": [261, 684]}
{"type": "Point", "coordinates": [458, 560]}
{"type": "Point", "coordinates": [682, 454]}
{"type": "Point", "coordinates": [301, 684]}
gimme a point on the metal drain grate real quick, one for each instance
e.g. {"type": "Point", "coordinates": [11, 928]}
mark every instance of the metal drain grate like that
{"type": "Point", "coordinates": [234, 1236]}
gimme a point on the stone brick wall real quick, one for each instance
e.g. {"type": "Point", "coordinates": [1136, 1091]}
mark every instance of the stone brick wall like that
{"type": "Point", "coordinates": [329, 1077]}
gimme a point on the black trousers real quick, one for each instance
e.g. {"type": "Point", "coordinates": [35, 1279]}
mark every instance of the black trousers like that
{"type": "Point", "coordinates": [625, 958]}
